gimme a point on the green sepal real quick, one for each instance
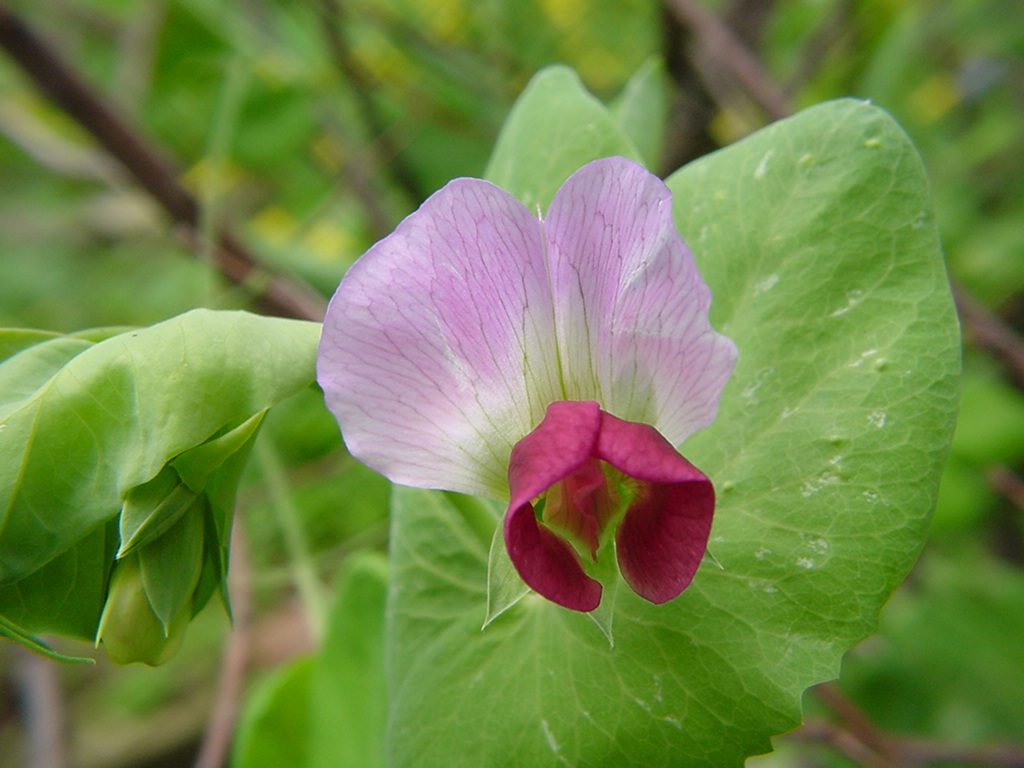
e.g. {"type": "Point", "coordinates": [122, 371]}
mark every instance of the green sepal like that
{"type": "Point", "coordinates": [152, 508]}
{"type": "Point", "coordinates": [197, 464]}
{"type": "Point", "coordinates": [171, 565]}
{"type": "Point", "coordinates": [505, 587]}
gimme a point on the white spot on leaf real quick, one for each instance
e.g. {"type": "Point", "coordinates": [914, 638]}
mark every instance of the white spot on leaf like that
{"type": "Point", "coordinates": [552, 742]}
{"type": "Point", "coordinates": [751, 389]}
{"type": "Point", "coordinates": [805, 562]}
{"type": "Point", "coordinates": [763, 585]}
{"type": "Point", "coordinates": [766, 285]}
{"type": "Point", "coordinates": [867, 353]}
{"type": "Point", "coordinates": [763, 165]}
{"type": "Point", "coordinates": [853, 298]}
{"type": "Point", "coordinates": [878, 418]}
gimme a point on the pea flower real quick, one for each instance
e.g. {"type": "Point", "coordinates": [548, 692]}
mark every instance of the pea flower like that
{"type": "Point", "coordinates": [551, 361]}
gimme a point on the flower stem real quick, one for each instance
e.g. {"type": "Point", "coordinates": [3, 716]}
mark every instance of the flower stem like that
{"type": "Point", "coordinates": [303, 570]}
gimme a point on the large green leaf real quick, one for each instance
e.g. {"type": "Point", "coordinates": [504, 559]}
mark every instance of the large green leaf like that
{"type": "Point", "coordinates": [553, 129]}
{"type": "Point", "coordinates": [328, 710]}
{"type": "Point", "coordinates": [348, 696]}
{"type": "Point", "coordinates": [817, 240]}
{"type": "Point", "coordinates": [273, 728]}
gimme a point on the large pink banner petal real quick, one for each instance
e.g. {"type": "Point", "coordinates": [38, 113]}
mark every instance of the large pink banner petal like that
{"type": "Point", "coordinates": [437, 352]}
{"type": "Point", "coordinates": [631, 308]}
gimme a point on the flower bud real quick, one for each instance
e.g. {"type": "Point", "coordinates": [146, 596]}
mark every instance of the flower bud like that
{"type": "Point", "coordinates": [129, 629]}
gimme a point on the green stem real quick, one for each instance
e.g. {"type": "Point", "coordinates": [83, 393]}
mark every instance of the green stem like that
{"type": "Point", "coordinates": [303, 568]}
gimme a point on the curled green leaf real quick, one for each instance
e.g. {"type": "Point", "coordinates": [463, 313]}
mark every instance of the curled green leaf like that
{"type": "Point", "coordinates": [155, 424]}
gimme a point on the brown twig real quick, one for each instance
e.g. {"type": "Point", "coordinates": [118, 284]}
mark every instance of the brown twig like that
{"type": "Point", "coordinates": [1008, 523]}
{"type": "Point", "coordinates": [333, 16]}
{"type": "Point", "coordinates": [733, 55]}
{"type": "Point", "coordinates": [43, 709]}
{"type": "Point", "coordinates": [855, 719]}
{"type": "Point", "coordinates": [1009, 484]}
{"type": "Point", "coordinates": [274, 293]}
{"type": "Point", "coordinates": [860, 739]}
{"type": "Point", "coordinates": [820, 45]}
{"type": "Point", "coordinates": [824, 732]}
{"type": "Point", "coordinates": [230, 686]}
{"type": "Point", "coordinates": [688, 132]}
{"type": "Point", "coordinates": [987, 330]}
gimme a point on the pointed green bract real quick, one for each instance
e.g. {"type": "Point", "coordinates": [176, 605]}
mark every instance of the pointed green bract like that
{"type": "Point", "coordinates": [555, 127]}
{"type": "Point", "coordinates": [152, 508]}
{"type": "Point", "coordinates": [171, 565]}
{"type": "Point", "coordinates": [641, 110]}
{"type": "Point", "coordinates": [816, 238]}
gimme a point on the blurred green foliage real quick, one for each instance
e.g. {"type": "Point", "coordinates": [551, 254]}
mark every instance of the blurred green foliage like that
{"type": "Point", "coordinates": [272, 135]}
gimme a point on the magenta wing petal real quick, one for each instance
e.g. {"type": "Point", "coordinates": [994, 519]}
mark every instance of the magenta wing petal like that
{"type": "Point", "coordinates": [562, 443]}
{"type": "Point", "coordinates": [548, 564]}
{"type": "Point", "coordinates": [437, 352]}
{"type": "Point", "coordinates": [664, 534]}
{"type": "Point", "coordinates": [631, 307]}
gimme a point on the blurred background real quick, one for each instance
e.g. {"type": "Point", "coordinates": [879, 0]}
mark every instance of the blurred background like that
{"type": "Point", "coordinates": [180, 153]}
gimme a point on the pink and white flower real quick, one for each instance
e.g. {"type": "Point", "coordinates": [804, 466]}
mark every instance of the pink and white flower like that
{"type": "Point", "coordinates": [554, 362]}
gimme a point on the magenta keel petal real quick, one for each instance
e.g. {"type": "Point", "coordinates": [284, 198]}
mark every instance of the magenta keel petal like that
{"type": "Point", "coordinates": [664, 534]}
{"type": "Point", "coordinates": [663, 537]}
{"type": "Point", "coordinates": [548, 564]}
